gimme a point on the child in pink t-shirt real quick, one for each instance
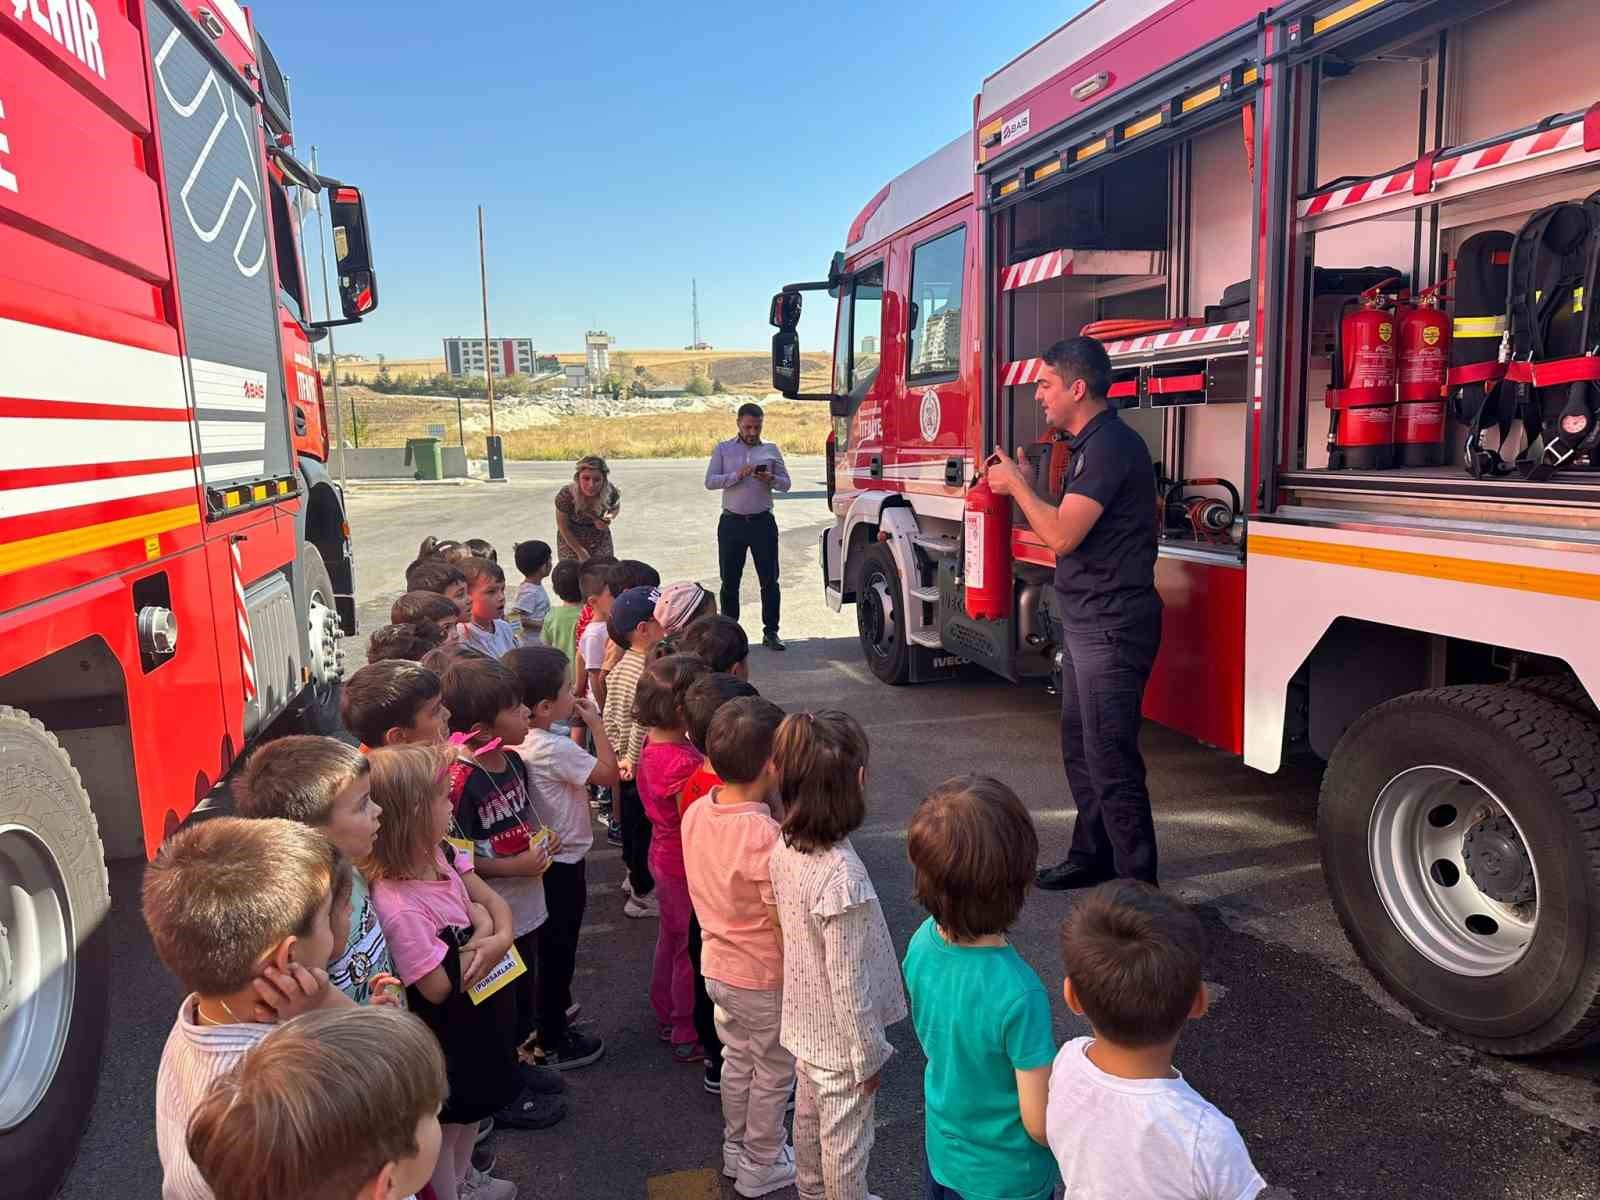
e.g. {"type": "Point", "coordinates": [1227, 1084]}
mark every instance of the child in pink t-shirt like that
{"type": "Point", "coordinates": [665, 764]}
{"type": "Point", "coordinates": [728, 840]}
{"type": "Point", "coordinates": [446, 930]}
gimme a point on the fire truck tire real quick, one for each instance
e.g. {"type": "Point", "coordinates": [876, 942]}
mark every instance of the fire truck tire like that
{"type": "Point", "coordinates": [1460, 838]}
{"type": "Point", "coordinates": [54, 958]}
{"type": "Point", "coordinates": [878, 617]}
{"type": "Point", "coordinates": [318, 710]}
{"type": "Point", "coordinates": [1563, 689]}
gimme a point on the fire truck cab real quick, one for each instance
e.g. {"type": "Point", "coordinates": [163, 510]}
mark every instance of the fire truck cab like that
{"type": "Point", "coordinates": [1232, 197]}
{"type": "Point", "coordinates": [175, 563]}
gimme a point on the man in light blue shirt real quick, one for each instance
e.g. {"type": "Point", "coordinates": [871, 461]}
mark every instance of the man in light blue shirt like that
{"type": "Point", "coordinates": [747, 471]}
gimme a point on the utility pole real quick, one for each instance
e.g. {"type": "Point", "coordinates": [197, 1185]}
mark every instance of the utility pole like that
{"type": "Point", "coordinates": [492, 447]}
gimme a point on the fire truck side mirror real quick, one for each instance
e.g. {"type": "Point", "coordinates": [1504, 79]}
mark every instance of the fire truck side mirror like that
{"type": "Point", "coordinates": [358, 284]}
{"type": "Point", "coordinates": [785, 311]}
{"type": "Point", "coordinates": [786, 361]}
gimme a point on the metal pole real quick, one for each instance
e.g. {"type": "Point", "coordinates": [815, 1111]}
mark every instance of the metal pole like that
{"type": "Point", "coordinates": [488, 365]}
{"type": "Point", "coordinates": [327, 315]}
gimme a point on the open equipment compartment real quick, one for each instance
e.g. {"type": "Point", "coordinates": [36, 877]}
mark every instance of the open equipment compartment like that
{"type": "Point", "coordinates": [1175, 253]}
{"type": "Point", "coordinates": [1406, 151]}
{"type": "Point", "coordinates": [1134, 230]}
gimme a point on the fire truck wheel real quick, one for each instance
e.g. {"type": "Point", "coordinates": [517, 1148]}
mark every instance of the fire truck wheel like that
{"type": "Point", "coordinates": [1563, 689]}
{"type": "Point", "coordinates": [54, 961]}
{"type": "Point", "coordinates": [1458, 835]}
{"type": "Point", "coordinates": [318, 711]}
{"type": "Point", "coordinates": [878, 618]}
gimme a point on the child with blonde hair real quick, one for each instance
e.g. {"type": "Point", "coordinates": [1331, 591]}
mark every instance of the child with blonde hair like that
{"type": "Point", "coordinates": [432, 906]}
{"type": "Point", "coordinates": [841, 980]}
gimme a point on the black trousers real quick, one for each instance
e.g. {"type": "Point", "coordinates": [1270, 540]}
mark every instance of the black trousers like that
{"type": "Point", "coordinates": [757, 534]}
{"type": "Point", "coordinates": [526, 985]}
{"type": "Point", "coordinates": [566, 893]}
{"type": "Point", "coordinates": [1103, 677]}
{"type": "Point", "coordinates": [636, 840]}
{"type": "Point", "coordinates": [705, 1021]}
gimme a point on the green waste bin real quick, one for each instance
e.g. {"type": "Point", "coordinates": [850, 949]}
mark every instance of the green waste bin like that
{"type": "Point", "coordinates": [428, 456]}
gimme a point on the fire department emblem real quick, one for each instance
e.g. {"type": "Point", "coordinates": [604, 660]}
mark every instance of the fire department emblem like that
{"type": "Point", "coordinates": [928, 418]}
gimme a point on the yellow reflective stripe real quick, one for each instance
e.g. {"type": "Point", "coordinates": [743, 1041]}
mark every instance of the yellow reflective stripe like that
{"type": "Point", "coordinates": [1545, 581]}
{"type": "Point", "coordinates": [1201, 98]}
{"type": "Point", "coordinates": [1348, 13]}
{"type": "Point", "coordinates": [1046, 170]}
{"type": "Point", "coordinates": [52, 547]}
{"type": "Point", "coordinates": [1471, 327]}
{"type": "Point", "coordinates": [1144, 125]}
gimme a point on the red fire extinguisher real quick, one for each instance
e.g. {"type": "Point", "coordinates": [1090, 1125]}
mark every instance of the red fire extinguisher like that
{"type": "Point", "coordinates": [986, 537]}
{"type": "Point", "coordinates": [1361, 429]}
{"type": "Point", "coordinates": [1424, 361]}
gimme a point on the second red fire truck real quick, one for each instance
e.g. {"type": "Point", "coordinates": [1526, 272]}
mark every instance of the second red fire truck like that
{"type": "Point", "coordinates": [1338, 254]}
{"type": "Point", "coordinates": [175, 564]}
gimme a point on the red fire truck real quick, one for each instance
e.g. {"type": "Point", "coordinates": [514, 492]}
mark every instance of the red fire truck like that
{"type": "Point", "coordinates": [1358, 560]}
{"type": "Point", "coordinates": [175, 564]}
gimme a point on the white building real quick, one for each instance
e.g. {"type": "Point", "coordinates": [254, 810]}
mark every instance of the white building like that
{"type": "Point", "coordinates": [512, 356]}
{"type": "Point", "coordinates": [597, 345]}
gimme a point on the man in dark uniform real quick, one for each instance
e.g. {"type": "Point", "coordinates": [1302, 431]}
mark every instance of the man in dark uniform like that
{"type": "Point", "coordinates": [1104, 537]}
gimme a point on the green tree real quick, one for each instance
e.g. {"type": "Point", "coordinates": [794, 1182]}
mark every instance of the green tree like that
{"type": "Point", "coordinates": [698, 385]}
{"type": "Point", "coordinates": [716, 387]}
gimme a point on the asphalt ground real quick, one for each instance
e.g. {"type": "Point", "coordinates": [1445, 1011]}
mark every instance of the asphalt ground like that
{"type": "Point", "coordinates": [1338, 1093]}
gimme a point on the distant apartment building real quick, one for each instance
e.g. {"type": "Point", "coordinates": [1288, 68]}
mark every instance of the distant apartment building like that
{"type": "Point", "coordinates": [940, 348]}
{"type": "Point", "coordinates": [511, 356]}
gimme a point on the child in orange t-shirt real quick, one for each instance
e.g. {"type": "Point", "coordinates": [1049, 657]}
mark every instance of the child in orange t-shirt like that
{"type": "Point", "coordinates": [728, 841]}
{"type": "Point", "coordinates": [700, 704]}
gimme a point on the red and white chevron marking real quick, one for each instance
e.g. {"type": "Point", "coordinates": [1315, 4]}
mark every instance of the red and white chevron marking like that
{"type": "Point", "coordinates": [1036, 270]}
{"type": "Point", "coordinates": [1026, 370]}
{"type": "Point", "coordinates": [247, 650]}
{"type": "Point", "coordinates": [1229, 331]}
{"type": "Point", "coordinates": [1458, 166]}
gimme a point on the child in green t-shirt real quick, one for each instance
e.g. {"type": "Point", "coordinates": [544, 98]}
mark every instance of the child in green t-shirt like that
{"type": "Point", "coordinates": [981, 1014]}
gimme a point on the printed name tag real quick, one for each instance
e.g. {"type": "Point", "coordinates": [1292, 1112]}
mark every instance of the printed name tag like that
{"type": "Point", "coordinates": [462, 844]}
{"type": "Point", "coordinates": [507, 969]}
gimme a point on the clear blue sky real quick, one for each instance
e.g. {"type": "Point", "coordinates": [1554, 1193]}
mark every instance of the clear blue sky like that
{"type": "Point", "coordinates": [619, 149]}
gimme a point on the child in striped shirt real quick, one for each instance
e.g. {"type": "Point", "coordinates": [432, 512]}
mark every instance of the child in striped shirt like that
{"type": "Point", "coordinates": [841, 979]}
{"type": "Point", "coordinates": [232, 903]}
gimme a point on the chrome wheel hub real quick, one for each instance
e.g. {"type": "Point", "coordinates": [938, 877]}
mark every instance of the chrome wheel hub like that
{"type": "Point", "coordinates": [1453, 870]}
{"type": "Point", "coordinates": [324, 632]}
{"type": "Point", "coordinates": [37, 972]}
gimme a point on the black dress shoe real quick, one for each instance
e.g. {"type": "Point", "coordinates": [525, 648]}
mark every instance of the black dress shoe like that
{"type": "Point", "coordinates": [772, 642]}
{"type": "Point", "coordinates": [1065, 876]}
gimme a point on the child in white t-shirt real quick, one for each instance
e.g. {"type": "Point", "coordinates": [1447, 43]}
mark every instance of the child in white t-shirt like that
{"type": "Point", "coordinates": [560, 773]}
{"type": "Point", "coordinates": [487, 631]}
{"type": "Point", "coordinates": [1120, 1120]}
{"type": "Point", "coordinates": [532, 603]}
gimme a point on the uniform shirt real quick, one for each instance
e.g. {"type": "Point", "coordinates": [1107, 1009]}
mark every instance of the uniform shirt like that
{"type": "Point", "coordinates": [194, 1057]}
{"type": "Point", "coordinates": [981, 1015]}
{"type": "Point", "coordinates": [749, 495]}
{"type": "Point", "coordinates": [1109, 581]}
{"type": "Point", "coordinates": [493, 812]}
{"type": "Point", "coordinates": [841, 980]}
{"type": "Point", "coordinates": [1157, 1139]}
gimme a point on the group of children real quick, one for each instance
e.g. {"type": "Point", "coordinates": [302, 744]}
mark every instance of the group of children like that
{"type": "Point", "coordinates": [379, 949]}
